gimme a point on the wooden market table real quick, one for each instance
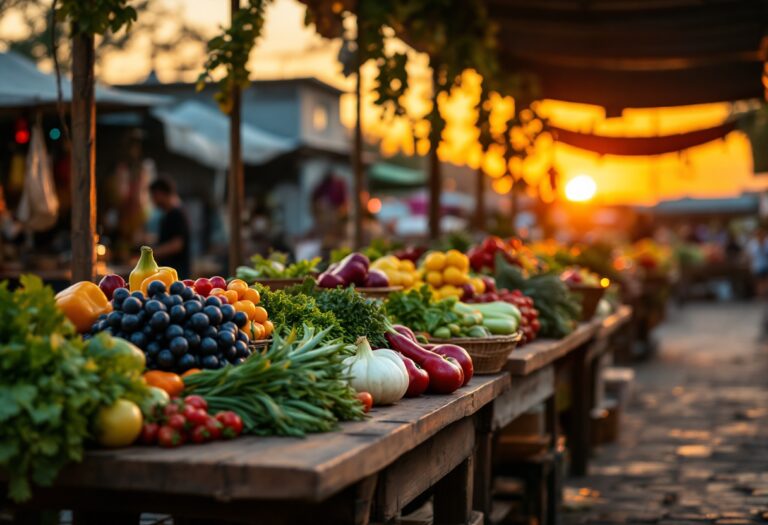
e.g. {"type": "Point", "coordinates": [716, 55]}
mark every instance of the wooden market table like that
{"type": "Point", "coordinates": [536, 371]}
{"type": "Point", "coordinates": [367, 471]}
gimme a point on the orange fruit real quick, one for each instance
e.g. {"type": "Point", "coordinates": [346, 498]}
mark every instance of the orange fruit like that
{"type": "Point", "coordinates": [217, 291]}
{"type": "Point", "coordinates": [457, 259]}
{"type": "Point", "coordinates": [434, 261]}
{"type": "Point", "coordinates": [269, 328]}
{"type": "Point", "coordinates": [247, 307]}
{"type": "Point", "coordinates": [257, 331]}
{"type": "Point", "coordinates": [454, 276]}
{"type": "Point", "coordinates": [231, 296]}
{"type": "Point", "coordinates": [239, 286]}
{"type": "Point", "coordinates": [434, 278]}
{"type": "Point", "coordinates": [260, 314]}
{"type": "Point", "coordinates": [252, 295]}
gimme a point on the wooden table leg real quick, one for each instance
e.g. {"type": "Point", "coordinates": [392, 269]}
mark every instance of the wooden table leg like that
{"type": "Point", "coordinates": [453, 496]}
{"type": "Point", "coordinates": [483, 462]}
{"type": "Point", "coordinates": [581, 385]}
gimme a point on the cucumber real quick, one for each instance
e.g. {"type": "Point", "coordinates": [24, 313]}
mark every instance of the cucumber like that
{"type": "Point", "coordinates": [478, 331]}
{"type": "Point", "coordinates": [499, 326]}
{"type": "Point", "coordinates": [442, 333]}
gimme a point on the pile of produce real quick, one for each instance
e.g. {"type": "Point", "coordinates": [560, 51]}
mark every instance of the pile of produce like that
{"type": "Point", "coordinates": [577, 276]}
{"type": "Point", "coordinates": [187, 420]}
{"type": "Point", "coordinates": [292, 310]}
{"type": "Point", "coordinates": [529, 316]}
{"type": "Point", "coordinates": [295, 387]}
{"type": "Point", "coordinates": [276, 266]}
{"type": "Point", "coordinates": [447, 318]}
{"type": "Point", "coordinates": [57, 392]}
{"type": "Point", "coordinates": [354, 269]}
{"type": "Point", "coordinates": [399, 272]}
{"type": "Point", "coordinates": [558, 310]}
{"type": "Point", "coordinates": [447, 274]}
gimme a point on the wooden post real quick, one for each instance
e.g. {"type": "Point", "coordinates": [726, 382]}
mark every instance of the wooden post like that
{"type": "Point", "coordinates": [480, 200]}
{"type": "Point", "coordinates": [235, 185]}
{"type": "Point", "coordinates": [435, 177]}
{"type": "Point", "coordinates": [358, 181]}
{"type": "Point", "coordinates": [83, 182]}
{"type": "Point", "coordinates": [513, 205]}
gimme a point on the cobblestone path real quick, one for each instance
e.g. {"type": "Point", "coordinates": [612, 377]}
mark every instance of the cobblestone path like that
{"type": "Point", "coordinates": [694, 443]}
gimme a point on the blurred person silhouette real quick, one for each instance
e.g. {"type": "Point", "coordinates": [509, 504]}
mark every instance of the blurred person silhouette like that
{"type": "Point", "coordinates": [173, 238]}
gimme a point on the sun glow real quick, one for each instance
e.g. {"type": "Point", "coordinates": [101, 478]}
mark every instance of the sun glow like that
{"type": "Point", "coordinates": [581, 188]}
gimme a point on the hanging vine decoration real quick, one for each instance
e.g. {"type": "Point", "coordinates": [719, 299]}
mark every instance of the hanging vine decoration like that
{"type": "Point", "coordinates": [230, 51]}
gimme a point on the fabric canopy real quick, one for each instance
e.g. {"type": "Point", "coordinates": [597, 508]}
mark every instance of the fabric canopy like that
{"type": "Point", "coordinates": [22, 85]}
{"type": "Point", "coordinates": [201, 132]}
{"type": "Point", "coordinates": [641, 146]}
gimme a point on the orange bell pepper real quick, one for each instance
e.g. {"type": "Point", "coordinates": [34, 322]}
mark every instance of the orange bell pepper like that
{"type": "Point", "coordinates": [83, 303]}
{"type": "Point", "coordinates": [172, 383]}
{"type": "Point", "coordinates": [166, 274]}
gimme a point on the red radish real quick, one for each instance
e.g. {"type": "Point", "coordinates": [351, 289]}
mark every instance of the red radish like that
{"type": "Point", "coordinates": [461, 356]}
{"type": "Point", "coordinates": [418, 378]}
{"type": "Point", "coordinates": [328, 280]}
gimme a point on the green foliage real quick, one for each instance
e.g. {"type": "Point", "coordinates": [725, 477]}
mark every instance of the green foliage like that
{"type": "Point", "coordinates": [230, 51]}
{"type": "Point", "coordinates": [293, 310]}
{"type": "Point", "coordinates": [559, 311]}
{"type": "Point", "coordinates": [357, 315]}
{"type": "Point", "coordinates": [96, 17]}
{"type": "Point", "coordinates": [296, 386]}
{"type": "Point", "coordinates": [50, 387]}
{"type": "Point", "coordinates": [276, 266]}
{"type": "Point", "coordinates": [416, 310]}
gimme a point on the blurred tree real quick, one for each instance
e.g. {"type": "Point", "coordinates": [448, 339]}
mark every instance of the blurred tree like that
{"type": "Point", "coordinates": [160, 25]}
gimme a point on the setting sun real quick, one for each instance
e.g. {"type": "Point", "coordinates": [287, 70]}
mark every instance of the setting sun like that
{"type": "Point", "coordinates": [580, 188]}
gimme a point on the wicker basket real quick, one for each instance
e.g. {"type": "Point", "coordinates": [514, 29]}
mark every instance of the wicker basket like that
{"type": "Point", "coordinates": [279, 284]}
{"type": "Point", "coordinates": [259, 344]}
{"type": "Point", "coordinates": [378, 293]}
{"type": "Point", "coordinates": [590, 297]}
{"type": "Point", "coordinates": [489, 354]}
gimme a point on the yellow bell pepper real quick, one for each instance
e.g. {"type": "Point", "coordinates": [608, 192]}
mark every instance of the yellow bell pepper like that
{"type": "Point", "coordinates": [83, 303]}
{"type": "Point", "coordinates": [166, 274]}
{"type": "Point", "coordinates": [144, 268]}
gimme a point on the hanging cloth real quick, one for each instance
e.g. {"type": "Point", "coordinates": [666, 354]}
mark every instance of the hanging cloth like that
{"type": "Point", "coordinates": [39, 205]}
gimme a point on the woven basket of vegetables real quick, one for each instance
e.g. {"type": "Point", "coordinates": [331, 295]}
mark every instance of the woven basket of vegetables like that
{"type": "Point", "coordinates": [379, 293]}
{"type": "Point", "coordinates": [590, 297]}
{"type": "Point", "coordinates": [489, 354]}
{"type": "Point", "coordinates": [279, 284]}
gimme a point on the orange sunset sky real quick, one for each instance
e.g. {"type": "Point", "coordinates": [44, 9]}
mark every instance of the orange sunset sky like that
{"type": "Point", "coordinates": [288, 49]}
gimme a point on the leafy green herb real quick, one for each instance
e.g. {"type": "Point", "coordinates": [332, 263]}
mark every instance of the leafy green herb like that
{"type": "Point", "coordinates": [293, 310]}
{"type": "Point", "coordinates": [357, 315]}
{"type": "Point", "coordinates": [296, 386]}
{"type": "Point", "coordinates": [50, 387]}
{"type": "Point", "coordinates": [418, 311]}
{"type": "Point", "coordinates": [276, 267]}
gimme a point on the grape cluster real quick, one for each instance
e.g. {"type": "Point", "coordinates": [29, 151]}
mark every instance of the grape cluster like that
{"type": "Point", "coordinates": [177, 328]}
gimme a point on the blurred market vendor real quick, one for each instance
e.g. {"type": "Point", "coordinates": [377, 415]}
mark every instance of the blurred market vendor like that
{"type": "Point", "coordinates": [172, 246]}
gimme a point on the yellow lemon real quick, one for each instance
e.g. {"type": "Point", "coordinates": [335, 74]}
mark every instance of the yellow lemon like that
{"type": "Point", "coordinates": [449, 291]}
{"type": "Point", "coordinates": [406, 265]}
{"type": "Point", "coordinates": [457, 259]}
{"type": "Point", "coordinates": [454, 276]}
{"type": "Point", "coordinates": [478, 285]}
{"type": "Point", "coordinates": [390, 262]}
{"type": "Point", "coordinates": [395, 278]}
{"type": "Point", "coordinates": [406, 279]}
{"type": "Point", "coordinates": [435, 279]}
{"type": "Point", "coordinates": [435, 261]}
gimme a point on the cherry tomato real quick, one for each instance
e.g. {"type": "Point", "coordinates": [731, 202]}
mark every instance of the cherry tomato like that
{"type": "Point", "coordinates": [231, 423]}
{"type": "Point", "coordinates": [203, 286]}
{"type": "Point", "coordinates": [366, 400]}
{"type": "Point", "coordinates": [171, 409]}
{"type": "Point", "coordinates": [195, 416]}
{"type": "Point", "coordinates": [177, 421]}
{"type": "Point", "coordinates": [214, 427]}
{"type": "Point", "coordinates": [149, 433]}
{"type": "Point", "coordinates": [200, 434]}
{"type": "Point", "coordinates": [196, 401]}
{"type": "Point", "coordinates": [169, 437]}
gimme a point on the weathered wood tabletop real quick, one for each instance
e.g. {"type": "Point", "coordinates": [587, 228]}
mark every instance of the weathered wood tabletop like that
{"type": "Point", "coordinates": [280, 468]}
{"type": "Point", "coordinates": [542, 352]}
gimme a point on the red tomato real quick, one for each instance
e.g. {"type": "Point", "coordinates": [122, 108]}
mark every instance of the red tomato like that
{"type": "Point", "coordinates": [366, 400]}
{"type": "Point", "coordinates": [196, 401]}
{"type": "Point", "coordinates": [195, 416]}
{"type": "Point", "coordinates": [149, 433]}
{"type": "Point", "coordinates": [203, 286]}
{"type": "Point", "coordinates": [231, 423]}
{"type": "Point", "coordinates": [214, 427]}
{"type": "Point", "coordinates": [200, 434]}
{"type": "Point", "coordinates": [171, 409]}
{"type": "Point", "coordinates": [169, 437]}
{"type": "Point", "coordinates": [177, 421]}
{"type": "Point", "coordinates": [219, 282]}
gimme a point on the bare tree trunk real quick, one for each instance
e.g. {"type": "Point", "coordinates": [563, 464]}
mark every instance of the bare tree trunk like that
{"type": "Point", "coordinates": [358, 181]}
{"type": "Point", "coordinates": [480, 200]}
{"type": "Point", "coordinates": [83, 183]}
{"type": "Point", "coordinates": [236, 186]}
{"type": "Point", "coordinates": [435, 176]}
